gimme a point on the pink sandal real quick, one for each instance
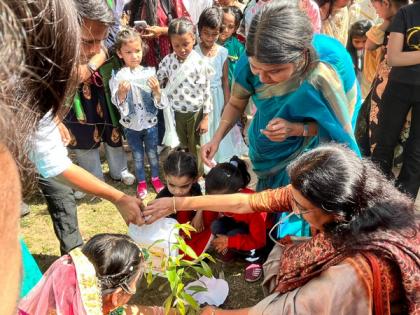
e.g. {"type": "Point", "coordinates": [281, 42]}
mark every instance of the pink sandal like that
{"type": "Point", "coordinates": [253, 273]}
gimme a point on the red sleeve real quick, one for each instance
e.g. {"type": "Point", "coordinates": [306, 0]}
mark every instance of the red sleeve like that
{"type": "Point", "coordinates": [257, 232]}
{"type": "Point", "coordinates": [179, 9]}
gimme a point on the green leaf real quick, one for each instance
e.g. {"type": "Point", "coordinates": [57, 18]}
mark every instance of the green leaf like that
{"type": "Point", "coordinates": [207, 271]}
{"type": "Point", "coordinates": [190, 252]}
{"type": "Point", "coordinates": [179, 288]}
{"type": "Point", "coordinates": [208, 256]}
{"type": "Point", "coordinates": [187, 263]}
{"type": "Point", "coordinates": [199, 270]}
{"type": "Point", "coordinates": [171, 275]}
{"type": "Point", "coordinates": [149, 278]}
{"type": "Point", "coordinates": [187, 275]}
{"type": "Point", "coordinates": [181, 244]}
{"type": "Point", "coordinates": [168, 304]}
{"type": "Point", "coordinates": [190, 300]}
{"type": "Point", "coordinates": [180, 306]}
{"type": "Point", "coordinates": [197, 288]}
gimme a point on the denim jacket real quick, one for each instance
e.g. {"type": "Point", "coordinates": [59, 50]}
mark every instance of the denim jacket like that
{"type": "Point", "coordinates": [138, 111]}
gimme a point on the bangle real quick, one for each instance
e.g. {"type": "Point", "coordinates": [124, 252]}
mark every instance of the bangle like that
{"type": "Point", "coordinates": [225, 121]}
{"type": "Point", "coordinates": [174, 208]}
{"type": "Point", "coordinates": [213, 311]}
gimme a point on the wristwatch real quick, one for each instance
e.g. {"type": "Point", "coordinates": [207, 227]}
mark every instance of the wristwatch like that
{"type": "Point", "coordinates": [305, 130]}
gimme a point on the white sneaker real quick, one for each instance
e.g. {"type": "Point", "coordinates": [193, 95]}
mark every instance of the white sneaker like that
{"type": "Point", "coordinates": [127, 178]}
{"type": "Point", "coordinates": [79, 195]}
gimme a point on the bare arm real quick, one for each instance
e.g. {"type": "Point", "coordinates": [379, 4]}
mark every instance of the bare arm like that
{"type": "Point", "coordinates": [277, 200]}
{"type": "Point", "coordinates": [225, 82]}
{"type": "Point", "coordinates": [235, 203]}
{"type": "Point", "coordinates": [377, 33]}
{"type": "Point", "coordinates": [210, 310]}
{"type": "Point", "coordinates": [233, 110]}
{"type": "Point", "coordinates": [97, 60]}
{"type": "Point", "coordinates": [396, 56]}
{"type": "Point", "coordinates": [79, 178]}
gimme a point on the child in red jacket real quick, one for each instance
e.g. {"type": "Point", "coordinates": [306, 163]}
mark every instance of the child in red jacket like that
{"type": "Point", "coordinates": [241, 235]}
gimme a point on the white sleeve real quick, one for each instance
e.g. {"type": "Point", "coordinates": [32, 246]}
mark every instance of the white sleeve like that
{"type": "Point", "coordinates": [113, 87]}
{"type": "Point", "coordinates": [49, 154]}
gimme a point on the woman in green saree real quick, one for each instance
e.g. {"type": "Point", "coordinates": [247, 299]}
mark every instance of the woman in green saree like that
{"type": "Point", "coordinates": [305, 91]}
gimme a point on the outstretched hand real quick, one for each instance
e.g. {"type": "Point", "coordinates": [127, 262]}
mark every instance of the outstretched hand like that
{"type": "Point", "coordinates": [130, 209]}
{"type": "Point", "coordinates": [208, 151]}
{"type": "Point", "coordinates": [157, 209]}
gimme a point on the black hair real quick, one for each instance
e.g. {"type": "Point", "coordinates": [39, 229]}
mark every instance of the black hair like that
{"type": "Point", "coordinates": [281, 33]}
{"type": "Point", "coordinates": [116, 258]}
{"type": "Point", "coordinates": [95, 10]}
{"type": "Point", "coordinates": [352, 189]}
{"type": "Point", "coordinates": [180, 26]}
{"type": "Point", "coordinates": [321, 3]}
{"type": "Point", "coordinates": [126, 35]}
{"type": "Point", "coordinates": [228, 177]}
{"type": "Point", "coordinates": [236, 12]}
{"type": "Point", "coordinates": [212, 18]}
{"type": "Point", "coordinates": [358, 29]}
{"type": "Point", "coordinates": [40, 52]}
{"type": "Point", "coordinates": [180, 163]}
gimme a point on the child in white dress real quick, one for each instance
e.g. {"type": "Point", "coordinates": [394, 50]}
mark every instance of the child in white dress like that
{"type": "Point", "coordinates": [186, 78]}
{"type": "Point", "coordinates": [209, 28]}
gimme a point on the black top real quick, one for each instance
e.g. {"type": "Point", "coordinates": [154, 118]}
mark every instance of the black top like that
{"type": "Point", "coordinates": [407, 22]}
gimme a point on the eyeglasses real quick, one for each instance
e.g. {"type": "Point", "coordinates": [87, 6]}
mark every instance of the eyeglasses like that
{"type": "Point", "coordinates": [300, 209]}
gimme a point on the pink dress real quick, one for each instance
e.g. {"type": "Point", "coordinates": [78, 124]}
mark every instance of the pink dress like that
{"type": "Point", "coordinates": [312, 10]}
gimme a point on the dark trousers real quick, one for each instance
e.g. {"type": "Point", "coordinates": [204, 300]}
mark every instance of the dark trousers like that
{"type": "Point", "coordinates": [160, 126]}
{"type": "Point", "coordinates": [229, 227]}
{"type": "Point", "coordinates": [397, 100]}
{"type": "Point", "coordinates": [63, 212]}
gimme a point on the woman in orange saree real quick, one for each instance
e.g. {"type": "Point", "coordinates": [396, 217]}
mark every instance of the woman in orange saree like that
{"type": "Point", "coordinates": [365, 257]}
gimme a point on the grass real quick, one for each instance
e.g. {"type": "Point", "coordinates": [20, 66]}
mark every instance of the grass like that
{"type": "Point", "coordinates": [100, 216]}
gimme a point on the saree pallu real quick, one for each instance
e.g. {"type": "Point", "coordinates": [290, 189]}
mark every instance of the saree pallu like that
{"type": "Point", "coordinates": [68, 287]}
{"type": "Point", "coordinates": [329, 96]}
{"type": "Point", "coordinates": [380, 269]}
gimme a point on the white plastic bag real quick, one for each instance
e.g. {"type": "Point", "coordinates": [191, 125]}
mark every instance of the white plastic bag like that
{"type": "Point", "coordinates": [147, 235]}
{"type": "Point", "coordinates": [170, 137]}
{"type": "Point", "coordinates": [216, 294]}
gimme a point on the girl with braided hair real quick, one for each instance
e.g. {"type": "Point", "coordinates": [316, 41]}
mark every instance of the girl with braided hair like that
{"type": "Point", "coordinates": [96, 279]}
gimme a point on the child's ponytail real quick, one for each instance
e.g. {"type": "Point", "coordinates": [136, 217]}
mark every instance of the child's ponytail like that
{"type": "Point", "coordinates": [228, 177]}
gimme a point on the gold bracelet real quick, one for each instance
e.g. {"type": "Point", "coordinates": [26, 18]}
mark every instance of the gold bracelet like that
{"type": "Point", "coordinates": [174, 209]}
{"type": "Point", "coordinates": [213, 311]}
{"type": "Point", "coordinates": [225, 121]}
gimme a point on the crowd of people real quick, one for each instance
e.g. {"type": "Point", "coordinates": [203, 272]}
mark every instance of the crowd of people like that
{"type": "Point", "coordinates": [322, 96]}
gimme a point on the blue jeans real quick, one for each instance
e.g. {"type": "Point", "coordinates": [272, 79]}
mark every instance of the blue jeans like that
{"type": "Point", "coordinates": [139, 142]}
